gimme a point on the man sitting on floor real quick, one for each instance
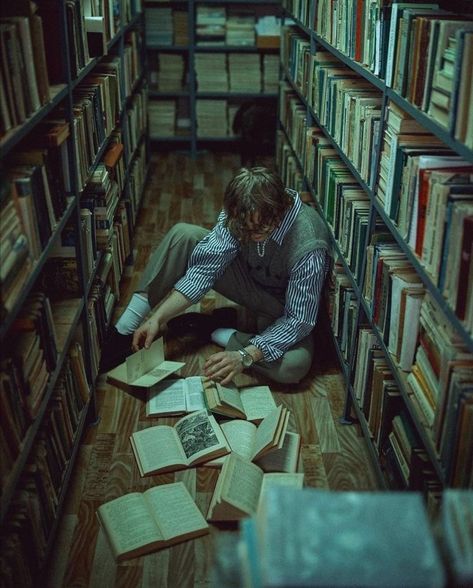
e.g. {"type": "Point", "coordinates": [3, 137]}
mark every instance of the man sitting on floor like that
{"type": "Point", "coordinates": [268, 252]}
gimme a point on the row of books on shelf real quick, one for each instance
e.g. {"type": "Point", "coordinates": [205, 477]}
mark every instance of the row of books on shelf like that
{"type": "Point", "coordinates": [26, 530]}
{"type": "Point", "coordinates": [214, 26]}
{"type": "Point", "coordinates": [443, 92]}
{"type": "Point", "coordinates": [31, 60]}
{"type": "Point", "coordinates": [236, 72]}
{"type": "Point", "coordinates": [410, 326]}
{"type": "Point", "coordinates": [170, 118]}
{"type": "Point", "coordinates": [422, 186]}
{"type": "Point", "coordinates": [434, 367]}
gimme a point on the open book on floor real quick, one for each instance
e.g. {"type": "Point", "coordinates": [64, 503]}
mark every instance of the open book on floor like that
{"type": "Point", "coordinates": [143, 369]}
{"type": "Point", "coordinates": [252, 403]}
{"type": "Point", "coordinates": [175, 396]}
{"type": "Point", "coordinates": [138, 523]}
{"type": "Point", "coordinates": [252, 441]}
{"type": "Point", "coordinates": [241, 488]}
{"type": "Point", "coordinates": [193, 439]}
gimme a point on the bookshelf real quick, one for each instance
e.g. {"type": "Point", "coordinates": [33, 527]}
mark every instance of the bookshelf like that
{"type": "Point", "coordinates": [181, 59]}
{"type": "Point", "coordinates": [357, 139]}
{"type": "Point", "coordinates": [74, 150]}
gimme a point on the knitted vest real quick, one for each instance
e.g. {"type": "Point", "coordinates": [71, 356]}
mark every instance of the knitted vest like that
{"type": "Point", "coordinates": [272, 271]}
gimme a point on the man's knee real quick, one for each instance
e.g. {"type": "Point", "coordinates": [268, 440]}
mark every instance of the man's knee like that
{"type": "Point", "coordinates": [186, 232]}
{"type": "Point", "coordinates": [292, 369]}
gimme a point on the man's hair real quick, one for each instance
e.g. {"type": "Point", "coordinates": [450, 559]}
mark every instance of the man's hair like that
{"type": "Point", "coordinates": [255, 190]}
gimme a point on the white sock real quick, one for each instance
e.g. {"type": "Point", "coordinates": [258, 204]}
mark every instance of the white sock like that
{"type": "Point", "coordinates": [134, 313]}
{"type": "Point", "coordinates": [222, 336]}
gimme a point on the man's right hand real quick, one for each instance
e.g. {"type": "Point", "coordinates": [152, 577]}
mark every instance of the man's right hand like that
{"type": "Point", "coordinates": [144, 335]}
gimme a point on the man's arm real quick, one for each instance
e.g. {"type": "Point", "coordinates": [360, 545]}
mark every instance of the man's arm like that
{"type": "Point", "coordinates": [301, 308]}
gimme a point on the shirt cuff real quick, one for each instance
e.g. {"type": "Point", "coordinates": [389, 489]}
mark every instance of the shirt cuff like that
{"type": "Point", "coordinates": [189, 290]}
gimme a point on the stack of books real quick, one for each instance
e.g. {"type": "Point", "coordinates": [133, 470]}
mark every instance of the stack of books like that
{"type": "Point", "coordinates": [211, 72]}
{"type": "Point", "coordinates": [170, 75]}
{"type": "Point", "coordinates": [159, 26]}
{"type": "Point", "coordinates": [244, 72]}
{"type": "Point", "coordinates": [162, 118]}
{"type": "Point", "coordinates": [180, 27]}
{"type": "Point", "coordinates": [211, 25]}
{"type": "Point", "coordinates": [240, 28]}
{"type": "Point", "coordinates": [270, 73]}
{"type": "Point", "coordinates": [212, 118]}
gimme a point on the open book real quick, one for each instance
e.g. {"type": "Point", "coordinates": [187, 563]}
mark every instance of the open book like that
{"type": "Point", "coordinates": [252, 441]}
{"type": "Point", "coordinates": [138, 523]}
{"type": "Point", "coordinates": [252, 403]}
{"type": "Point", "coordinates": [192, 440]}
{"type": "Point", "coordinates": [241, 489]}
{"type": "Point", "coordinates": [144, 368]}
{"type": "Point", "coordinates": [175, 396]}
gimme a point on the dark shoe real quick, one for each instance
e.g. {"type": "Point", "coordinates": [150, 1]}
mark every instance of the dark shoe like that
{"type": "Point", "coordinates": [116, 348]}
{"type": "Point", "coordinates": [201, 326]}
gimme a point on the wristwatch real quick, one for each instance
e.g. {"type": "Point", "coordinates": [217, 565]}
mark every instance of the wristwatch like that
{"type": "Point", "coordinates": [246, 358]}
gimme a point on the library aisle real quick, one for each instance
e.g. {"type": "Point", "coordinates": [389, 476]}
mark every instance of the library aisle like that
{"type": "Point", "coordinates": [333, 456]}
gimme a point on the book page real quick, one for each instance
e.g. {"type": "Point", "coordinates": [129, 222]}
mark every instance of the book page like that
{"type": "Point", "coordinates": [242, 483]}
{"type": "Point", "coordinates": [195, 394]}
{"type": "Point", "coordinates": [240, 436]}
{"type": "Point", "coordinates": [157, 447]}
{"type": "Point", "coordinates": [279, 479]}
{"type": "Point", "coordinates": [144, 360]}
{"type": "Point", "coordinates": [230, 396]}
{"type": "Point", "coordinates": [168, 396]}
{"type": "Point", "coordinates": [266, 430]}
{"type": "Point", "coordinates": [127, 523]}
{"type": "Point", "coordinates": [175, 510]}
{"type": "Point", "coordinates": [257, 402]}
{"type": "Point", "coordinates": [200, 435]}
{"type": "Point", "coordinates": [285, 459]}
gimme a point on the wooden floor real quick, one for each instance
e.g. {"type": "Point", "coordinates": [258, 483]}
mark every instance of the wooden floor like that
{"type": "Point", "coordinates": [333, 456]}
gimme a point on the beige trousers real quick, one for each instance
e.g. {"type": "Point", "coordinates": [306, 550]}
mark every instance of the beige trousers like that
{"type": "Point", "coordinates": [168, 263]}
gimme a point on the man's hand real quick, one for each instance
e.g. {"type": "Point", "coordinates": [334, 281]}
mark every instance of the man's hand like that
{"type": "Point", "coordinates": [223, 366]}
{"type": "Point", "coordinates": [144, 335]}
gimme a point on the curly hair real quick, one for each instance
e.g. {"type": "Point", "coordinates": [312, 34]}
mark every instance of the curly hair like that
{"type": "Point", "coordinates": [255, 190]}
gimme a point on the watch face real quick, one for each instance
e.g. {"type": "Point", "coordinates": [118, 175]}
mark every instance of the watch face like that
{"type": "Point", "coordinates": [246, 358]}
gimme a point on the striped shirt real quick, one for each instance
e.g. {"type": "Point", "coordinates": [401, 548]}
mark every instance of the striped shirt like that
{"type": "Point", "coordinates": [215, 252]}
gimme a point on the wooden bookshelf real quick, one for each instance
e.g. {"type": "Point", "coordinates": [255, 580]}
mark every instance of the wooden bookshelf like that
{"type": "Point", "coordinates": [66, 332]}
{"type": "Point", "coordinates": [310, 123]}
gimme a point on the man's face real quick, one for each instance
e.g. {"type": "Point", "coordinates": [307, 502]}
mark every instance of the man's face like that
{"type": "Point", "coordinates": [255, 230]}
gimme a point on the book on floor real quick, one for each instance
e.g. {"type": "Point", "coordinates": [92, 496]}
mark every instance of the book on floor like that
{"type": "Point", "coordinates": [252, 441]}
{"type": "Point", "coordinates": [192, 440]}
{"type": "Point", "coordinates": [175, 396]}
{"type": "Point", "coordinates": [241, 489]}
{"type": "Point", "coordinates": [143, 369]}
{"type": "Point", "coordinates": [140, 522]}
{"type": "Point", "coordinates": [252, 403]}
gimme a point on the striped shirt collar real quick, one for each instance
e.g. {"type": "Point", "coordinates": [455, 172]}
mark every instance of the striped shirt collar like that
{"type": "Point", "coordinates": [288, 220]}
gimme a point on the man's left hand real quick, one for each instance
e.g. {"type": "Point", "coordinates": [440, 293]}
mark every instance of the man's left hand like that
{"type": "Point", "coordinates": [223, 366]}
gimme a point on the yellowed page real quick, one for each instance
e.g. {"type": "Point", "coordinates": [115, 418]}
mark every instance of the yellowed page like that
{"type": "Point", "coordinates": [267, 430]}
{"type": "Point", "coordinates": [240, 436]}
{"type": "Point", "coordinates": [242, 483]}
{"type": "Point", "coordinates": [175, 510]}
{"type": "Point", "coordinates": [168, 396]}
{"type": "Point", "coordinates": [257, 402]}
{"type": "Point", "coordinates": [144, 360]}
{"type": "Point", "coordinates": [230, 396]}
{"type": "Point", "coordinates": [127, 523]}
{"type": "Point", "coordinates": [285, 459]}
{"type": "Point", "coordinates": [271, 480]}
{"type": "Point", "coordinates": [158, 447]}
{"type": "Point", "coordinates": [200, 435]}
